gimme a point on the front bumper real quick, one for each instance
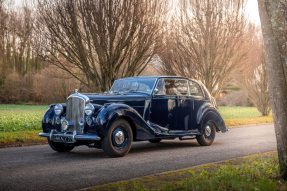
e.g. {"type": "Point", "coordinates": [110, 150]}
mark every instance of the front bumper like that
{"type": "Point", "coordinates": [69, 138]}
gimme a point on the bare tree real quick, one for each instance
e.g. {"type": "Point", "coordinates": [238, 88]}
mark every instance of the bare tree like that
{"type": "Point", "coordinates": [253, 77]}
{"type": "Point", "coordinates": [100, 41]}
{"type": "Point", "coordinates": [273, 16]}
{"type": "Point", "coordinates": [208, 44]}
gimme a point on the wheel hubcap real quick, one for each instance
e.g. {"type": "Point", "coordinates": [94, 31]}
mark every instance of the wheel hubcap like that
{"type": "Point", "coordinates": [207, 130]}
{"type": "Point", "coordinates": [119, 137]}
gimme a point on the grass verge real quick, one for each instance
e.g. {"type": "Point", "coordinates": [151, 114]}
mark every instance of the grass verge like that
{"type": "Point", "coordinates": [256, 172]}
{"type": "Point", "coordinates": [21, 137]}
{"type": "Point", "coordinates": [249, 120]}
{"type": "Point", "coordinates": [238, 112]}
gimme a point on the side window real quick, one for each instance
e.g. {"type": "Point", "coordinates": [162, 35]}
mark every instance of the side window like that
{"type": "Point", "coordinates": [175, 87]}
{"type": "Point", "coordinates": [194, 89]}
{"type": "Point", "coordinates": [160, 87]}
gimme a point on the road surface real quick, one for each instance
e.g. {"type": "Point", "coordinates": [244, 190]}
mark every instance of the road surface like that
{"type": "Point", "coordinates": [40, 168]}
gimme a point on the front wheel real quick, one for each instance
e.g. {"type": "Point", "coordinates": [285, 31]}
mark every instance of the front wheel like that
{"type": "Point", "coordinates": [208, 136]}
{"type": "Point", "coordinates": [60, 147]}
{"type": "Point", "coordinates": [118, 141]}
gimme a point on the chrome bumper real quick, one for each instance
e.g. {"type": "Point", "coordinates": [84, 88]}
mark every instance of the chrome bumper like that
{"type": "Point", "coordinates": [71, 137]}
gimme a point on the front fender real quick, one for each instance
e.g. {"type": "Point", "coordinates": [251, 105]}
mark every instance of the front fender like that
{"type": "Point", "coordinates": [208, 112]}
{"type": "Point", "coordinates": [110, 113]}
{"type": "Point", "coordinates": [49, 119]}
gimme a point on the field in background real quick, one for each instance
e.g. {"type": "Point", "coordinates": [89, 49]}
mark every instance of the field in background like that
{"type": "Point", "coordinates": [22, 123]}
{"type": "Point", "coordinates": [21, 117]}
{"type": "Point", "coordinates": [234, 116]}
{"type": "Point", "coordinates": [238, 112]}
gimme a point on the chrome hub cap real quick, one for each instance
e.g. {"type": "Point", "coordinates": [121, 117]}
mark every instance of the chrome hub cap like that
{"type": "Point", "coordinates": [119, 137]}
{"type": "Point", "coordinates": [207, 130]}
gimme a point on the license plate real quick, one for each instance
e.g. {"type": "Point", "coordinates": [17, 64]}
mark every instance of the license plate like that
{"type": "Point", "coordinates": [59, 138]}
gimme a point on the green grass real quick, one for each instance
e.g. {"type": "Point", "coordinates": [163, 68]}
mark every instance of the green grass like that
{"type": "Point", "coordinates": [21, 118]}
{"type": "Point", "coordinates": [259, 175]}
{"type": "Point", "coordinates": [21, 123]}
{"type": "Point", "coordinates": [256, 172]}
{"type": "Point", "coordinates": [39, 108]}
{"type": "Point", "coordinates": [238, 112]}
{"type": "Point", "coordinates": [21, 137]}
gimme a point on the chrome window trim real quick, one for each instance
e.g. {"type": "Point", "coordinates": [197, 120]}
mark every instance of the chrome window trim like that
{"type": "Point", "coordinates": [156, 80]}
{"type": "Point", "coordinates": [200, 89]}
{"type": "Point", "coordinates": [156, 86]}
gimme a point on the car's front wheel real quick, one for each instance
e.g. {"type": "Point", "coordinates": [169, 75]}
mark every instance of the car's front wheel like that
{"type": "Point", "coordinates": [60, 147]}
{"type": "Point", "coordinates": [118, 141]}
{"type": "Point", "coordinates": [208, 136]}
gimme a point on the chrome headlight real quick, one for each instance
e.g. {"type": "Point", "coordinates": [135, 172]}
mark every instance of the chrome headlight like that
{"type": "Point", "coordinates": [65, 125]}
{"type": "Point", "coordinates": [89, 109]}
{"type": "Point", "coordinates": [58, 109]}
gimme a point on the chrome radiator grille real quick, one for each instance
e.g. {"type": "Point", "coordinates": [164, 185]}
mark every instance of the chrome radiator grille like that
{"type": "Point", "coordinates": [75, 110]}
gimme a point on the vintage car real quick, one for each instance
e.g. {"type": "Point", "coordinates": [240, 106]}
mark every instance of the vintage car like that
{"type": "Point", "coordinates": [135, 109]}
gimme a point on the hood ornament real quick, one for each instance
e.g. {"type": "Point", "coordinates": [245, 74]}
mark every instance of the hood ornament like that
{"type": "Point", "coordinates": [76, 91]}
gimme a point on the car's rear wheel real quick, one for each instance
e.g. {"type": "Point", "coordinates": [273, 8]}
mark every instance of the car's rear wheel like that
{"type": "Point", "coordinates": [118, 141]}
{"type": "Point", "coordinates": [208, 136]}
{"type": "Point", "coordinates": [154, 140]}
{"type": "Point", "coordinates": [60, 147]}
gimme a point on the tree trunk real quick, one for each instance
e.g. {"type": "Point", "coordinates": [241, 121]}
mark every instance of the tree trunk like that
{"type": "Point", "coordinates": [271, 22]}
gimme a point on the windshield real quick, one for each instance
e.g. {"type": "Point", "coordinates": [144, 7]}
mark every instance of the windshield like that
{"type": "Point", "coordinates": [142, 85]}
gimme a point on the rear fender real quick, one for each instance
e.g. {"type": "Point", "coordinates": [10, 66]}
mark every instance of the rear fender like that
{"type": "Point", "coordinates": [208, 112]}
{"type": "Point", "coordinates": [111, 112]}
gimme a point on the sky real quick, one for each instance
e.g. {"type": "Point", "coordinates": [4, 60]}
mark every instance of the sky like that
{"type": "Point", "coordinates": [251, 8]}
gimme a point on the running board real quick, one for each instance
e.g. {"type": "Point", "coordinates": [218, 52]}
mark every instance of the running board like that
{"type": "Point", "coordinates": [187, 137]}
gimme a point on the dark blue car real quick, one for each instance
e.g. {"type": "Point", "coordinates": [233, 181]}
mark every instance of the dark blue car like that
{"type": "Point", "coordinates": [135, 109]}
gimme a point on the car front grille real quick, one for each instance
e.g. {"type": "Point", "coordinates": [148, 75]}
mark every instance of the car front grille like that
{"type": "Point", "coordinates": [75, 110]}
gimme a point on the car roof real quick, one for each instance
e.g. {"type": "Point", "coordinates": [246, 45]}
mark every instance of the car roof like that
{"type": "Point", "coordinates": [155, 77]}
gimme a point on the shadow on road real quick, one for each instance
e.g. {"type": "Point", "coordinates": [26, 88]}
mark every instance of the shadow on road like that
{"type": "Point", "coordinates": [84, 153]}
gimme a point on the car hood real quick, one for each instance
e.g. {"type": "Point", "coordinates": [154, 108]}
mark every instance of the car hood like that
{"type": "Point", "coordinates": [132, 99]}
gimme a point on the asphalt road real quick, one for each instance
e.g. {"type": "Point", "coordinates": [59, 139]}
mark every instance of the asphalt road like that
{"type": "Point", "coordinates": [40, 168]}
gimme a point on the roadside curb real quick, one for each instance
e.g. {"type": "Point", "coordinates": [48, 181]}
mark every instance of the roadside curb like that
{"type": "Point", "coordinates": [45, 142]}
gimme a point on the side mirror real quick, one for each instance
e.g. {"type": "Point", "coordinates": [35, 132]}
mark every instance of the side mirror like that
{"type": "Point", "coordinates": [155, 91]}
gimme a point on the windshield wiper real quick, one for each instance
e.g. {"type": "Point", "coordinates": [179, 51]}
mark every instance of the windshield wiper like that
{"type": "Point", "coordinates": [132, 91]}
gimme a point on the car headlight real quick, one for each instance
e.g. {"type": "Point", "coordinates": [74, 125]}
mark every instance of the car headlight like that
{"type": "Point", "coordinates": [58, 109]}
{"type": "Point", "coordinates": [89, 109]}
{"type": "Point", "coordinates": [65, 125]}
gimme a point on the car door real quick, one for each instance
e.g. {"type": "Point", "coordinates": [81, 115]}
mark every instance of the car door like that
{"type": "Point", "coordinates": [164, 105]}
{"type": "Point", "coordinates": [184, 106]}
{"type": "Point", "coordinates": [195, 94]}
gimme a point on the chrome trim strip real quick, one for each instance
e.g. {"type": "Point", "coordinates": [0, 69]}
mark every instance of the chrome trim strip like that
{"type": "Point", "coordinates": [83, 137]}
{"type": "Point", "coordinates": [87, 137]}
{"type": "Point", "coordinates": [44, 134]}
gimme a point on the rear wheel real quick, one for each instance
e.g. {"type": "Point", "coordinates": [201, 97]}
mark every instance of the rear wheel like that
{"type": "Point", "coordinates": [208, 136]}
{"type": "Point", "coordinates": [154, 140]}
{"type": "Point", "coordinates": [118, 140]}
{"type": "Point", "coordinates": [60, 147]}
